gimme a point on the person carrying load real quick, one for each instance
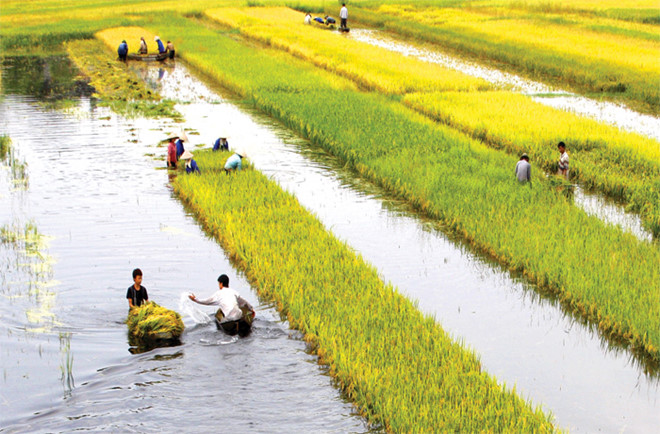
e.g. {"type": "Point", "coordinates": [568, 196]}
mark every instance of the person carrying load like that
{"type": "Point", "coordinates": [227, 299]}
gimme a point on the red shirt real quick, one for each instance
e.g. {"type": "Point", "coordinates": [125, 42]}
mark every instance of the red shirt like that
{"type": "Point", "coordinates": [171, 152]}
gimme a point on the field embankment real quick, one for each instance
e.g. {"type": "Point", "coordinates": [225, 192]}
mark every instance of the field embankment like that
{"type": "Point", "coordinates": [387, 356]}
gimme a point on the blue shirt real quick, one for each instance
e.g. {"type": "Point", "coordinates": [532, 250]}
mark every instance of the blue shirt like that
{"type": "Point", "coordinates": [217, 145]}
{"type": "Point", "coordinates": [193, 167]}
{"type": "Point", "coordinates": [161, 48]}
{"type": "Point", "coordinates": [123, 49]}
{"type": "Point", "coordinates": [233, 163]}
{"type": "Point", "coordinates": [179, 148]}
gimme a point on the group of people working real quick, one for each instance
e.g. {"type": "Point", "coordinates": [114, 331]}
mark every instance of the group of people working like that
{"type": "Point", "coordinates": [227, 299]}
{"type": "Point", "coordinates": [123, 48]}
{"type": "Point", "coordinates": [328, 20]}
{"type": "Point", "coordinates": [176, 151]}
{"type": "Point", "coordinates": [524, 168]}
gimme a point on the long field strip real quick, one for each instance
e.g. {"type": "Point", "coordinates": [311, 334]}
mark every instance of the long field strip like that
{"type": "Point", "coordinates": [371, 67]}
{"type": "Point", "coordinates": [606, 275]}
{"type": "Point", "coordinates": [399, 366]}
{"type": "Point", "coordinates": [622, 165]}
{"type": "Point", "coordinates": [615, 61]}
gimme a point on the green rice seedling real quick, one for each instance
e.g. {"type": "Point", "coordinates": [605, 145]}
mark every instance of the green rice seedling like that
{"type": "Point", "coordinates": [398, 365]}
{"type": "Point", "coordinates": [151, 321]}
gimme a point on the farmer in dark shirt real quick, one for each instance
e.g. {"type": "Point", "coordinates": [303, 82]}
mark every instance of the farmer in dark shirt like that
{"type": "Point", "coordinates": [137, 294]}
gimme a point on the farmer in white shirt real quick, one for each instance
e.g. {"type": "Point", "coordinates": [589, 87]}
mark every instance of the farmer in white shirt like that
{"type": "Point", "coordinates": [343, 16]}
{"type": "Point", "coordinates": [226, 299]}
{"type": "Point", "coordinates": [563, 160]}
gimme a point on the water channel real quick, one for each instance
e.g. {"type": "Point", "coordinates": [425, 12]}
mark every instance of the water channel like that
{"type": "Point", "coordinates": [94, 190]}
{"type": "Point", "coordinates": [108, 208]}
{"type": "Point", "coordinates": [602, 111]}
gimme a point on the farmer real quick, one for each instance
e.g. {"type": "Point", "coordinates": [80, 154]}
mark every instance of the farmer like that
{"type": "Point", "coordinates": [229, 301]}
{"type": "Point", "coordinates": [524, 169]}
{"type": "Point", "coordinates": [221, 144]}
{"type": "Point", "coordinates": [161, 47]}
{"type": "Point", "coordinates": [234, 162]}
{"type": "Point", "coordinates": [329, 20]}
{"type": "Point", "coordinates": [171, 152]}
{"type": "Point", "coordinates": [563, 160]}
{"type": "Point", "coordinates": [137, 294]}
{"type": "Point", "coordinates": [319, 20]}
{"type": "Point", "coordinates": [143, 46]}
{"type": "Point", "coordinates": [179, 148]}
{"type": "Point", "coordinates": [170, 49]}
{"type": "Point", "coordinates": [191, 165]}
{"type": "Point", "coordinates": [343, 16]}
{"type": "Point", "coordinates": [308, 18]}
{"type": "Point", "coordinates": [122, 51]}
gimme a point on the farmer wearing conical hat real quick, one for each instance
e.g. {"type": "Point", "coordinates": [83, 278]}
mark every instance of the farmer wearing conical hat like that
{"type": "Point", "coordinates": [171, 152]}
{"type": "Point", "coordinates": [161, 47]}
{"type": "Point", "coordinates": [191, 165]}
{"type": "Point", "coordinates": [221, 144]}
{"type": "Point", "coordinates": [234, 162]}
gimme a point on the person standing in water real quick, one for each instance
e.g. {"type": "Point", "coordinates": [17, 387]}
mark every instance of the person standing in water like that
{"type": "Point", "coordinates": [343, 16]}
{"type": "Point", "coordinates": [137, 294]}
{"type": "Point", "coordinates": [228, 300]}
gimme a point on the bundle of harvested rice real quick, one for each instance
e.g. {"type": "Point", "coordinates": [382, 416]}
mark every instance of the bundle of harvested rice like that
{"type": "Point", "coordinates": [153, 321]}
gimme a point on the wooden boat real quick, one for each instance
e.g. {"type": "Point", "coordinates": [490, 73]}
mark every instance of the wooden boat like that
{"type": "Point", "coordinates": [147, 57]}
{"type": "Point", "coordinates": [241, 327]}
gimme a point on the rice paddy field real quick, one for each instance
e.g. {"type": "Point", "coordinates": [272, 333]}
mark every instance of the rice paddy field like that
{"type": "Point", "coordinates": [441, 141]}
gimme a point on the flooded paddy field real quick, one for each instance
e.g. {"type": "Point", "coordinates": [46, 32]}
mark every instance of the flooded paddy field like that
{"type": "Point", "coordinates": [97, 192]}
{"type": "Point", "coordinates": [96, 195]}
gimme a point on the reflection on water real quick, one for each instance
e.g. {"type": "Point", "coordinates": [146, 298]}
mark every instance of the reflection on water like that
{"type": "Point", "coordinates": [607, 112]}
{"type": "Point", "coordinates": [522, 338]}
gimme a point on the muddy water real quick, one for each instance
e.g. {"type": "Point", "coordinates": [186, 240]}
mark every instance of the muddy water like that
{"type": "Point", "coordinates": [105, 208]}
{"type": "Point", "coordinates": [607, 112]}
{"type": "Point", "coordinates": [522, 339]}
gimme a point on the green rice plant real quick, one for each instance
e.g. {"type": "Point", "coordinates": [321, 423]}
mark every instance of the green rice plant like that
{"type": "Point", "coordinates": [371, 67]}
{"type": "Point", "coordinates": [623, 165]}
{"type": "Point", "coordinates": [596, 270]}
{"type": "Point", "coordinates": [151, 321]}
{"type": "Point", "coordinates": [399, 366]}
{"type": "Point", "coordinates": [618, 67]}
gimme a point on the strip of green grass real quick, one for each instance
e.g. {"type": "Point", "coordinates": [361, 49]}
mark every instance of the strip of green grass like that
{"type": "Point", "coordinates": [399, 366]}
{"type": "Point", "coordinates": [600, 272]}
